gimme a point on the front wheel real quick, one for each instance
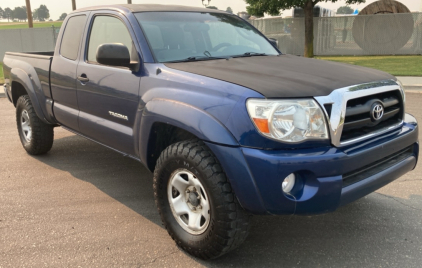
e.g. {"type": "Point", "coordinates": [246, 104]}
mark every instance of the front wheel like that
{"type": "Point", "coordinates": [196, 202]}
{"type": "Point", "coordinates": [36, 136]}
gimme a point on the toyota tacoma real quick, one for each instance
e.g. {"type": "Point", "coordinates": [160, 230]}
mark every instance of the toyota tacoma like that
{"type": "Point", "coordinates": [228, 124]}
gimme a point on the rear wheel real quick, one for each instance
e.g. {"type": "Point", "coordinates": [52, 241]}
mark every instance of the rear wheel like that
{"type": "Point", "coordinates": [36, 136]}
{"type": "Point", "coordinates": [196, 202]}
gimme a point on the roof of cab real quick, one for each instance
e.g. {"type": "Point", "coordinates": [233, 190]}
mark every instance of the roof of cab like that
{"type": "Point", "coordinates": [150, 8]}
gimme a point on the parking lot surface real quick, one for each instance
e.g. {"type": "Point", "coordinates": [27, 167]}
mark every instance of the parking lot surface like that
{"type": "Point", "coordinates": [83, 205]}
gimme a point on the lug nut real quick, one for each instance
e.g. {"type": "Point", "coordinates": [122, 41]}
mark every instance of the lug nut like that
{"type": "Point", "coordinates": [194, 208]}
{"type": "Point", "coordinates": [187, 191]}
{"type": "Point", "coordinates": [199, 207]}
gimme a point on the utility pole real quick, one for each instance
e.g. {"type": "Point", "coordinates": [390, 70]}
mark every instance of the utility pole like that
{"type": "Point", "coordinates": [73, 4]}
{"type": "Point", "coordinates": [129, 1]}
{"type": "Point", "coordinates": [29, 13]}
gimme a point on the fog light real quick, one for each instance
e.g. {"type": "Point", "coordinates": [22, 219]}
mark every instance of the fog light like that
{"type": "Point", "coordinates": [288, 183]}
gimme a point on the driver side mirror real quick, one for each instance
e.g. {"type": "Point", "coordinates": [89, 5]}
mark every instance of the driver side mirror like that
{"type": "Point", "coordinates": [113, 55]}
{"type": "Point", "coordinates": [273, 42]}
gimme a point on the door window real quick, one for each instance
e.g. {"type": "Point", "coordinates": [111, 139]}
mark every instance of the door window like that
{"type": "Point", "coordinates": [105, 30]}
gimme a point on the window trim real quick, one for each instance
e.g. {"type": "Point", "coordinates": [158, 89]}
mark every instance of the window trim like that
{"type": "Point", "coordinates": [88, 38]}
{"type": "Point", "coordinates": [80, 41]}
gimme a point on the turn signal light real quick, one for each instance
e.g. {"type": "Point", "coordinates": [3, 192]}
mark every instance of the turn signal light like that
{"type": "Point", "coordinates": [262, 125]}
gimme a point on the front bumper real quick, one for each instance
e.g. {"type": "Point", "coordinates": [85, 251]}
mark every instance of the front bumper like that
{"type": "Point", "coordinates": [328, 177]}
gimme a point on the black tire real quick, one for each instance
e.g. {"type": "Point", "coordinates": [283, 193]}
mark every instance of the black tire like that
{"type": "Point", "coordinates": [41, 140]}
{"type": "Point", "coordinates": [229, 223]}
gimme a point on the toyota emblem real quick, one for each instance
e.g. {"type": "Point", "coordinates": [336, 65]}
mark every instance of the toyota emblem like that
{"type": "Point", "coordinates": [377, 111]}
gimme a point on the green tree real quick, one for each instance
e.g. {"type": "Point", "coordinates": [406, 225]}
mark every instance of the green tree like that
{"type": "Point", "coordinates": [7, 14]}
{"type": "Point", "coordinates": [35, 14]}
{"type": "Point", "coordinates": [63, 16]}
{"type": "Point", "coordinates": [345, 10]}
{"type": "Point", "coordinates": [229, 10]}
{"type": "Point", "coordinates": [43, 13]}
{"type": "Point", "coordinates": [212, 7]}
{"type": "Point", "coordinates": [1, 13]}
{"type": "Point", "coordinates": [273, 7]}
{"type": "Point", "coordinates": [19, 13]}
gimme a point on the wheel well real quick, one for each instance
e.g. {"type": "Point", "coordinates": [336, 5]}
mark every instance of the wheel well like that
{"type": "Point", "coordinates": [17, 91]}
{"type": "Point", "coordinates": [163, 135]}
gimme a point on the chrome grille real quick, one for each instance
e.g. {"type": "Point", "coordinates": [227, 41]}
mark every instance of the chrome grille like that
{"type": "Point", "coordinates": [348, 111]}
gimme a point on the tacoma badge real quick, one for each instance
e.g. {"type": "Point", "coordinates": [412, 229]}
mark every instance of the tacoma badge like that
{"type": "Point", "coordinates": [124, 117]}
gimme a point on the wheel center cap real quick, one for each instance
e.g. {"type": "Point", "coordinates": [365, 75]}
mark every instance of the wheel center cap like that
{"type": "Point", "coordinates": [193, 199]}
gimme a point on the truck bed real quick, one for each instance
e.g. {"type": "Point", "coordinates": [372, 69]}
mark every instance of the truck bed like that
{"type": "Point", "coordinates": [30, 62]}
{"type": "Point", "coordinates": [34, 67]}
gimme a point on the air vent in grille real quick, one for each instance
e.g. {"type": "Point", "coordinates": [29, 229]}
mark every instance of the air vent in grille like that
{"type": "Point", "coordinates": [360, 118]}
{"type": "Point", "coordinates": [328, 108]}
{"type": "Point", "coordinates": [376, 167]}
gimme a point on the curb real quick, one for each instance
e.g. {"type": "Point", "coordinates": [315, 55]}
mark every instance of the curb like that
{"type": "Point", "coordinates": [2, 95]}
{"type": "Point", "coordinates": [413, 87]}
{"type": "Point", "coordinates": [414, 91]}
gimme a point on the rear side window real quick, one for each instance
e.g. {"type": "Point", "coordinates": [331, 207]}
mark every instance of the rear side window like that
{"type": "Point", "coordinates": [72, 37]}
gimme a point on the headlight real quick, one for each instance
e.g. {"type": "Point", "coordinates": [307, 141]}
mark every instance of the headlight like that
{"type": "Point", "coordinates": [290, 120]}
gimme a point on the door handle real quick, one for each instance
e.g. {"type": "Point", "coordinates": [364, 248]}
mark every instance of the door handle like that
{"type": "Point", "coordinates": [83, 78]}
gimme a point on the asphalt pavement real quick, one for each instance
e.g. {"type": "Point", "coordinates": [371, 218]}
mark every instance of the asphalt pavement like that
{"type": "Point", "coordinates": [83, 205]}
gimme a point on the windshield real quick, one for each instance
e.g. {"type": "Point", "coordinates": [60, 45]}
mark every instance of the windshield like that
{"type": "Point", "coordinates": [179, 36]}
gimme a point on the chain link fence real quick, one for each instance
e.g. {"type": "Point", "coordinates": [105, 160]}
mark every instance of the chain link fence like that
{"type": "Point", "coordinates": [381, 34]}
{"type": "Point", "coordinates": [28, 40]}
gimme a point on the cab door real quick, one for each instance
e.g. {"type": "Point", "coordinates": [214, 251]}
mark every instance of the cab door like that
{"type": "Point", "coordinates": [63, 71]}
{"type": "Point", "coordinates": [108, 96]}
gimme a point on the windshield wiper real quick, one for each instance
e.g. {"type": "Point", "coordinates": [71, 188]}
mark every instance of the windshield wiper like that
{"type": "Point", "coordinates": [250, 54]}
{"type": "Point", "coordinates": [198, 58]}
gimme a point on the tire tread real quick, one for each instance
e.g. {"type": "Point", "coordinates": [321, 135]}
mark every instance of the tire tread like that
{"type": "Point", "coordinates": [42, 133]}
{"type": "Point", "coordinates": [235, 226]}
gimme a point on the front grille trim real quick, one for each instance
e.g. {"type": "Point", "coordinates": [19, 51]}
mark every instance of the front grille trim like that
{"type": "Point", "coordinates": [372, 134]}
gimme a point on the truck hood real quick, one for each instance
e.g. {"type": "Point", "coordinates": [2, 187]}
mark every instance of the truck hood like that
{"type": "Point", "coordinates": [284, 76]}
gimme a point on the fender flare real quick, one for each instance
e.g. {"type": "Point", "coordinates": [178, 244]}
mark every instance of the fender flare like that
{"type": "Point", "coordinates": [21, 77]}
{"type": "Point", "coordinates": [185, 116]}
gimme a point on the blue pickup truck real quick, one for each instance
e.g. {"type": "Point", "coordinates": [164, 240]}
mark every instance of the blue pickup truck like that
{"type": "Point", "coordinates": [228, 124]}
